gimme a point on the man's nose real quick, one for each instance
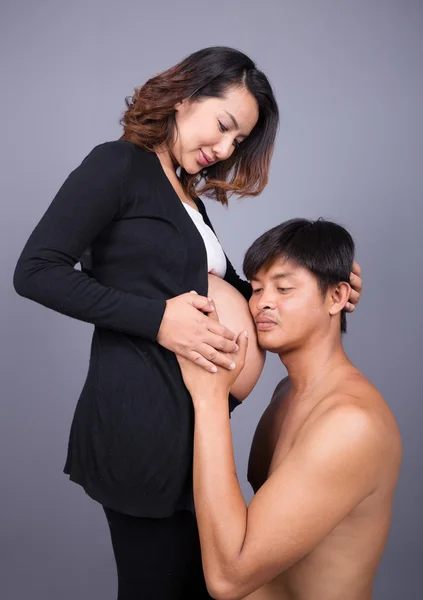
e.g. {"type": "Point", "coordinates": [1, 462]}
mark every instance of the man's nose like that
{"type": "Point", "coordinates": [266, 302]}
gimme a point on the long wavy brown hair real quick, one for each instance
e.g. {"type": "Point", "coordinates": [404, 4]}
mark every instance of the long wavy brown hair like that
{"type": "Point", "coordinates": [149, 120]}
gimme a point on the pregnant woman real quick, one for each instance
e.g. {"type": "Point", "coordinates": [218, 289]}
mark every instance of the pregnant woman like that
{"type": "Point", "coordinates": [130, 213]}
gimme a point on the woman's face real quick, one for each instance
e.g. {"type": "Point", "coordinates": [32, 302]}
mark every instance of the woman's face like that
{"type": "Point", "coordinates": [209, 130]}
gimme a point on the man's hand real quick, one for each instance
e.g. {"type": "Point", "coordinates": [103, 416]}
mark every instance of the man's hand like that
{"type": "Point", "coordinates": [203, 384]}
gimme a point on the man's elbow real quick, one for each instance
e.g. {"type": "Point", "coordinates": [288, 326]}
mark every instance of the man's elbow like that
{"type": "Point", "coordinates": [221, 587]}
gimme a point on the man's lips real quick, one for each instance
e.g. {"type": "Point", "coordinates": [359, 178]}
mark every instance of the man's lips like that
{"type": "Point", "coordinates": [264, 323]}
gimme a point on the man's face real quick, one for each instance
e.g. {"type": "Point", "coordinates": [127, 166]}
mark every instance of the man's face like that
{"type": "Point", "coordinates": [288, 307]}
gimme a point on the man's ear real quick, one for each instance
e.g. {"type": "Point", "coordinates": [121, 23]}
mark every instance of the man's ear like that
{"type": "Point", "coordinates": [338, 297]}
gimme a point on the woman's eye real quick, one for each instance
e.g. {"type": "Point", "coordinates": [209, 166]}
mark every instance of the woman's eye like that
{"type": "Point", "coordinates": [283, 290]}
{"type": "Point", "coordinates": [256, 290]}
{"type": "Point", "coordinates": [224, 129]}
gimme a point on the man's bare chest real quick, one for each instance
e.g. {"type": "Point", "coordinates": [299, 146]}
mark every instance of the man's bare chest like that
{"type": "Point", "coordinates": [289, 424]}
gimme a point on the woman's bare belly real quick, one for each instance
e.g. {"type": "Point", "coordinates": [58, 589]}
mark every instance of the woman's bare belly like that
{"type": "Point", "coordinates": [233, 312]}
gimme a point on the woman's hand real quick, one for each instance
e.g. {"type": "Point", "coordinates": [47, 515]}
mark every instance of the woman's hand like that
{"type": "Point", "coordinates": [201, 384]}
{"type": "Point", "coordinates": [356, 288]}
{"type": "Point", "coordinates": [188, 332]}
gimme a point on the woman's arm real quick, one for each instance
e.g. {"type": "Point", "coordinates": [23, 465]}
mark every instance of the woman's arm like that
{"type": "Point", "coordinates": [89, 200]}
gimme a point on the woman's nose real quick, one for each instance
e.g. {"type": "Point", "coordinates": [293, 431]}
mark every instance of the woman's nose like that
{"type": "Point", "coordinates": [224, 149]}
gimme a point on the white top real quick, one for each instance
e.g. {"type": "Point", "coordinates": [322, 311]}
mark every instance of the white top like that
{"type": "Point", "coordinates": [216, 259]}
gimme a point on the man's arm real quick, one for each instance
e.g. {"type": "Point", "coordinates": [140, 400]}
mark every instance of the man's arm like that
{"type": "Point", "coordinates": [330, 469]}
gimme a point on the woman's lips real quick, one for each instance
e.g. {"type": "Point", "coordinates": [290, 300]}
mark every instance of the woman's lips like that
{"type": "Point", "coordinates": [204, 159]}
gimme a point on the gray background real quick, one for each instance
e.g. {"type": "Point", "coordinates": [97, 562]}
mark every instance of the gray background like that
{"type": "Point", "coordinates": [348, 78]}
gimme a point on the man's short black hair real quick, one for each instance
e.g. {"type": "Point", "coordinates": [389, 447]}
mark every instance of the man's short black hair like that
{"type": "Point", "coordinates": [324, 248]}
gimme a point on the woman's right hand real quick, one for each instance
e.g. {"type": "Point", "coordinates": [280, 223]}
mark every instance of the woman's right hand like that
{"type": "Point", "coordinates": [186, 330]}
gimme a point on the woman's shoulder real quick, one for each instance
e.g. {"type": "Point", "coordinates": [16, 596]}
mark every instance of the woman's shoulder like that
{"type": "Point", "coordinates": [122, 148]}
{"type": "Point", "coordinates": [121, 159]}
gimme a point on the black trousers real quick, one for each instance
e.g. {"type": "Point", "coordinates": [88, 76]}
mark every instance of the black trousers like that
{"type": "Point", "coordinates": [157, 559]}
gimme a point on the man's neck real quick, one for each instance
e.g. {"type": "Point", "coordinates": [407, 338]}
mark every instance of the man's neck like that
{"type": "Point", "coordinates": [309, 365]}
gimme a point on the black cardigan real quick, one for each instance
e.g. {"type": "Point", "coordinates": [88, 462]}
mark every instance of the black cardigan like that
{"type": "Point", "coordinates": [131, 439]}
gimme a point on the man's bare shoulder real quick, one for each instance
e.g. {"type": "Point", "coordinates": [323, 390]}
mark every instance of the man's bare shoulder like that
{"type": "Point", "coordinates": [355, 412]}
{"type": "Point", "coordinates": [346, 442]}
{"type": "Point", "coordinates": [354, 390]}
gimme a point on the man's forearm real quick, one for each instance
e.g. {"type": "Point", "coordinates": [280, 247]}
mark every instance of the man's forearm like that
{"type": "Point", "coordinates": [220, 507]}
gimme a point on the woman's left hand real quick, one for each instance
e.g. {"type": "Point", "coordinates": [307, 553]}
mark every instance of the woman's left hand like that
{"type": "Point", "coordinates": [356, 288]}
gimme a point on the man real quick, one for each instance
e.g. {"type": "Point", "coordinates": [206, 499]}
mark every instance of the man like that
{"type": "Point", "coordinates": [326, 454]}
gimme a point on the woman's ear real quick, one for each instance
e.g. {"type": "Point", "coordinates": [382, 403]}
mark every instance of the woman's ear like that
{"type": "Point", "coordinates": [183, 104]}
{"type": "Point", "coordinates": [338, 297]}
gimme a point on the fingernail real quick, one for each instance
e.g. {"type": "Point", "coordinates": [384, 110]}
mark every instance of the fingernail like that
{"type": "Point", "coordinates": [236, 347]}
{"type": "Point", "coordinates": [246, 333]}
{"type": "Point", "coordinates": [193, 292]}
{"type": "Point", "coordinates": [232, 366]}
{"type": "Point", "coordinates": [213, 369]}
